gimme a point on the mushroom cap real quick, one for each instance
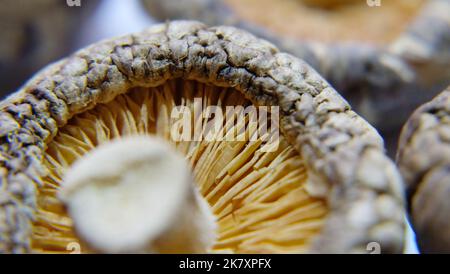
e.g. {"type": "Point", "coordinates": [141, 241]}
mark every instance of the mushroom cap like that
{"type": "Point", "coordinates": [383, 83]}
{"type": "Point", "coordinates": [424, 161]}
{"type": "Point", "coordinates": [342, 152]}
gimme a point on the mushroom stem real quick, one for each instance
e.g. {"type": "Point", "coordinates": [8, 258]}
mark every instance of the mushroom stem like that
{"type": "Point", "coordinates": [137, 195]}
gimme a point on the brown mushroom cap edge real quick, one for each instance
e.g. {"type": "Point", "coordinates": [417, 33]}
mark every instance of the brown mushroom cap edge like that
{"type": "Point", "coordinates": [424, 161]}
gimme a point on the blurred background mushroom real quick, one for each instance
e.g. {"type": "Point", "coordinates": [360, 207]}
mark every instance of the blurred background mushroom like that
{"type": "Point", "coordinates": [424, 161]}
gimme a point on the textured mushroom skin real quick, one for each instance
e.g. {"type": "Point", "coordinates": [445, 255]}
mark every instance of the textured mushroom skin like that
{"type": "Point", "coordinates": [383, 84]}
{"type": "Point", "coordinates": [340, 148]}
{"type": "Point", "coordinates": [424, 161]}
{"type": "Point", "coordinates": [426, 44]}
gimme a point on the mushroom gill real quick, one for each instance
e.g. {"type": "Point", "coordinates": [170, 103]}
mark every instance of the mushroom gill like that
{"type": "Point", "coordinates": [257, 196]}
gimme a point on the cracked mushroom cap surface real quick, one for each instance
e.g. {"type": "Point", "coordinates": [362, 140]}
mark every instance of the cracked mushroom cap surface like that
{"type": "Point", "coordinates": [424, 161]}
{"type": "Point", "coordinates": [328, 188]}
{"type": "Point", "coordinates": [386, 60]}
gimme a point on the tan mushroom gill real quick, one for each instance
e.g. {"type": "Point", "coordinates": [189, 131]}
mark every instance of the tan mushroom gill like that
{"type": "Point", "coordinates": [258, 198]}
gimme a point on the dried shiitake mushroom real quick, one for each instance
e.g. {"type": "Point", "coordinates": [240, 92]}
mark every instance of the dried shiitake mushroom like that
{"type": "Point", "coordinates": [426, 45]}
{"type": "Point", "coordinates": [34, 33]}
{"type": "Point", "coordinates": [386, 60]}
{"type": "Point", "coordinates": [424, 161]}
{"type": "Point", "coordinates": [89, 126]}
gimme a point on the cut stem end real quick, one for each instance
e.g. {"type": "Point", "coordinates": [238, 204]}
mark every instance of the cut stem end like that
{"type": "Point", "coordinates": [137, 194]}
